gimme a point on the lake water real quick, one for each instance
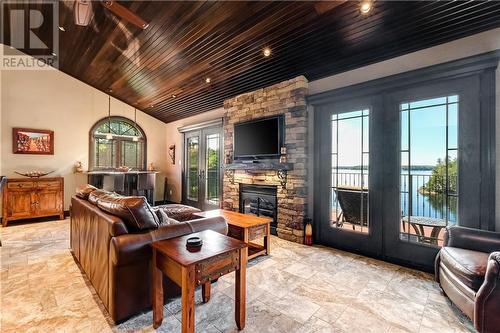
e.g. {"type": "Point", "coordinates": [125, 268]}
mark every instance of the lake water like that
{"type": "Point", "coordinates": [428, 205]}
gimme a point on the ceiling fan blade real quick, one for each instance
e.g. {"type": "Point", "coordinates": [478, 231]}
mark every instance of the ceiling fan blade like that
{"type": "Point", "coordinates": [82, 11]}
{"type": "Point", "coordinates": [125, 13]}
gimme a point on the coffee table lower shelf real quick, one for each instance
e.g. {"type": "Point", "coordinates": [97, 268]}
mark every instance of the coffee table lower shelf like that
{"type": "Point", "coordinates": [247, 228]}
{"type": "Point", "coordinates": [255, 250]}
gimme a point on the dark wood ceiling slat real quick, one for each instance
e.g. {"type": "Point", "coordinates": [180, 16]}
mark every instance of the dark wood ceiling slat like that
{"type": "Point", "coordinates": [371, 59]}
{"type": "Point", "coordinates": [186, 53]}
{"type": "Point", "coordinates": [187, 41]}
{"type": "Point", "coordinates": [285, 63]}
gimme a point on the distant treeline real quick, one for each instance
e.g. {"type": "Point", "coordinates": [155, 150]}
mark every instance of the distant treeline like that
{"type": "Point", "coordinates": [412, 168]}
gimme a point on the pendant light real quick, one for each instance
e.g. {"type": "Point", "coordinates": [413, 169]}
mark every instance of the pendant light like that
{"type": "Point", "coordinates": [109, 136]}
{"type": "Point", "coordinates": [135, 137]}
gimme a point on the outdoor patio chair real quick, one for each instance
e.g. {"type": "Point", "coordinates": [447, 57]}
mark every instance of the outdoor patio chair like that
{"type": "Point", "coordinates": [353, 211]}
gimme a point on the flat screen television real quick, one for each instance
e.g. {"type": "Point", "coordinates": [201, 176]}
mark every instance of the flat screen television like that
{"type": "Point", "coordinates": [259, 138]}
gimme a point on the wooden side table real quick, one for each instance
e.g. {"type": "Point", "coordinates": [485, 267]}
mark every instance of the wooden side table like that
{"type": "Point", "coordinates": [218, 256]}
{"type": "Point", "coordinates": [247, 228]}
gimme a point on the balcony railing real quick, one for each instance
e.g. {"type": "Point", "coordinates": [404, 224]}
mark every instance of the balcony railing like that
{"type": "Point", "coordinates": [417, 199]}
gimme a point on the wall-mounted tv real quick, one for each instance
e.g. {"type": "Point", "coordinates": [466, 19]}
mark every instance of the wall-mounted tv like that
{"type": "Point", "coordinates": [259, 138]}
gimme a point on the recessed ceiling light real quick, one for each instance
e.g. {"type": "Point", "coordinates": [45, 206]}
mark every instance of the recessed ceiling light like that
{"type": "Point", "coordinates": [266, 51]}
{"type": "Point", "coordinates": [174, 95]}
{"type": "Point", "coordinates": [152, 106]}
{"type": "Point", "coordinates": [61, 28]}
{"type": "Point", "coordinates": [366, 6]}
{"type": "Point", "coordinates": [208, 80]}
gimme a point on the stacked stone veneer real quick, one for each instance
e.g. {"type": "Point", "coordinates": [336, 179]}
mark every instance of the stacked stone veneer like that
{"type": "Point", "coordinates": [288, 98]}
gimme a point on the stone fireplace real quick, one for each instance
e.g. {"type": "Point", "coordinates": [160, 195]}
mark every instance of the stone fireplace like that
{"type": "Point", "coordinates": [289, 99]}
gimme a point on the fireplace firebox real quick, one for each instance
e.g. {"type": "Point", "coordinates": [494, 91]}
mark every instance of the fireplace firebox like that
{"type": "Point", "coordinates": [260, 200]}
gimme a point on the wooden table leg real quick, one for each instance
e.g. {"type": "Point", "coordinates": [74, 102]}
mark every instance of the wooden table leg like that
{"type": "Point", "coordinates": [245, 235]}
{"type": "Point", "coordinates": [205, 291]}
{"type": "Point", "coordinates": [188, 287]}
{"type": "Point", "coordinates": [157, 293]}
{"type": "Point", "coordinates": [240, 296]}
{"type": "Point", "coordinates": [267, 240]}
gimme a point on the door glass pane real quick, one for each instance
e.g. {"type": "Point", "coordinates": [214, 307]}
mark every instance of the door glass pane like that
{"type": "Point", "coordinates": [212, 167]}
{"type": "Point", "coordinates": [350, 156]}
{"type": "Point", "coordinates": [192, 168]}
{"type": "Point", "coordinates": [429, 168]}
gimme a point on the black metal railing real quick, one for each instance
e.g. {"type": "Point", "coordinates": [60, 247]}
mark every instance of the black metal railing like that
{"type": "Point", "coordinates": [418, 196]}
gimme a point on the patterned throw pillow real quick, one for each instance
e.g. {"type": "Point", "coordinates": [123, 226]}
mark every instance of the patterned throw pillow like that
{"type": "Point", "coordinates": [163, 217]}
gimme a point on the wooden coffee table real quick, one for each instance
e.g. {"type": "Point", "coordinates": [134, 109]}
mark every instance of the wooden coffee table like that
{"type": "Point", "coordinates": [247, 228]}
{"type": "Point", "coordinates": [219, 255]}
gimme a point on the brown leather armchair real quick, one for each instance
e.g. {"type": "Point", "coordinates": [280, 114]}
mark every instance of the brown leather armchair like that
{"type": "Point", "coordinates": [468, 270]}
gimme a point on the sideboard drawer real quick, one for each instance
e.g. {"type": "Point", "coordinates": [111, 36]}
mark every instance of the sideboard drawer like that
{"type": "Point", "coordinates": [20, 185]}
{"type": "Point", "coordinates": [49, 184]}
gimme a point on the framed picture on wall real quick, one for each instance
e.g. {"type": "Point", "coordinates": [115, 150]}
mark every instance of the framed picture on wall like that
{"type": "Point", "coordinates": [32, 141]}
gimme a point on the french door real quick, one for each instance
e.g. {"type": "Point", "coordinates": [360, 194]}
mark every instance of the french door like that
{"type": "Point", "coordinates": [433, 164]}
{"type": "Point", "coordinates": [202, 168]}
{"type": "Point", "coordinates": [349, 175]}
{"type": "Point", "coordinates": [398, 168]}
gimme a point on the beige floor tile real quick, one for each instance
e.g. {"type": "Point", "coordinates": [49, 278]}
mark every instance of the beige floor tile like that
{"type": "Point", "coordinates": [296, 289]}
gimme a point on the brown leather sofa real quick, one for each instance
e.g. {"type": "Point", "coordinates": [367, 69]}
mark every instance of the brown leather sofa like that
{"type": "Point", "coordinates": [116, 256]}
{"type": "Point", "coordinates": [468, 270]}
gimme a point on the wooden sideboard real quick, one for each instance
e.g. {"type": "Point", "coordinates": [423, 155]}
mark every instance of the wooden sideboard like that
{"type": "Point", "coordinates": [25, 198]}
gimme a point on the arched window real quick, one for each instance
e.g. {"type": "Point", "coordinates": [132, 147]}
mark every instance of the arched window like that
{"type": "Point", "coordinates": [115, 142]}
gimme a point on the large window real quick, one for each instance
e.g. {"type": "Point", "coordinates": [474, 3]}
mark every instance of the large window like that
{"type": "Point", "coordinates": [117, 142]}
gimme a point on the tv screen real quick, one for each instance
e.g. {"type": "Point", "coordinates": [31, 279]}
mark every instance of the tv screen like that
{"type": "Point", "coordinates": [260, 138]}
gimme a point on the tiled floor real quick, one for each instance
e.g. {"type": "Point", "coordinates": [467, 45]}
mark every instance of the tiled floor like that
{"type": "Point", "coordinates": [296, 289]}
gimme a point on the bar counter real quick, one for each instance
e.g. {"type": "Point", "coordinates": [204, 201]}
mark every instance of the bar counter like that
{"type": "Point", "coordinates": [125, 183]}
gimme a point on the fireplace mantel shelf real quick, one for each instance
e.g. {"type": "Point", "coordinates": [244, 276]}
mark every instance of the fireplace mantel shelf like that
{"type": "Point", "coordinates": [280, 168]}
{"type": "Point", "coordinates": [264, 165]}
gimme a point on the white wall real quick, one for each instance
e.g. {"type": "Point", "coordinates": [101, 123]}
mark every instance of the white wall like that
{"type": "Point", "coordinates": [174, 137]}
{"type": "Point", "coordinates": [461, 48]}
{"type": "Point", "coordinates": [55, 101]}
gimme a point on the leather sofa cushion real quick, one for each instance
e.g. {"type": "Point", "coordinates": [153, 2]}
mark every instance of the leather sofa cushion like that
{"type": "Point", "coordinates": [94, 196]}
{"type": "Point", "coordinates": [467, 265]}
{"type": "Point", "coordinates": [83, 191]}
{"type": "Point", "coordinates": [134, 211]}
{"type": "Point", "coordinates": [179, 212]}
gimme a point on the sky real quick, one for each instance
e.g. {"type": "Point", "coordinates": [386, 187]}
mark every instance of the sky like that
{"type": "Point", "coordinates": [427, 134]}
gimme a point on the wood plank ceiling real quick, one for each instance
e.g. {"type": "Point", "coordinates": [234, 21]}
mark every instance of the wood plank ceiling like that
{"type": "Point", "coordinates": [188, 41]}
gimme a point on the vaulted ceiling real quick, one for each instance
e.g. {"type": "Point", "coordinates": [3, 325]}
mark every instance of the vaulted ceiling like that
{"type": "Point", "coordinates": [188, 41]}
